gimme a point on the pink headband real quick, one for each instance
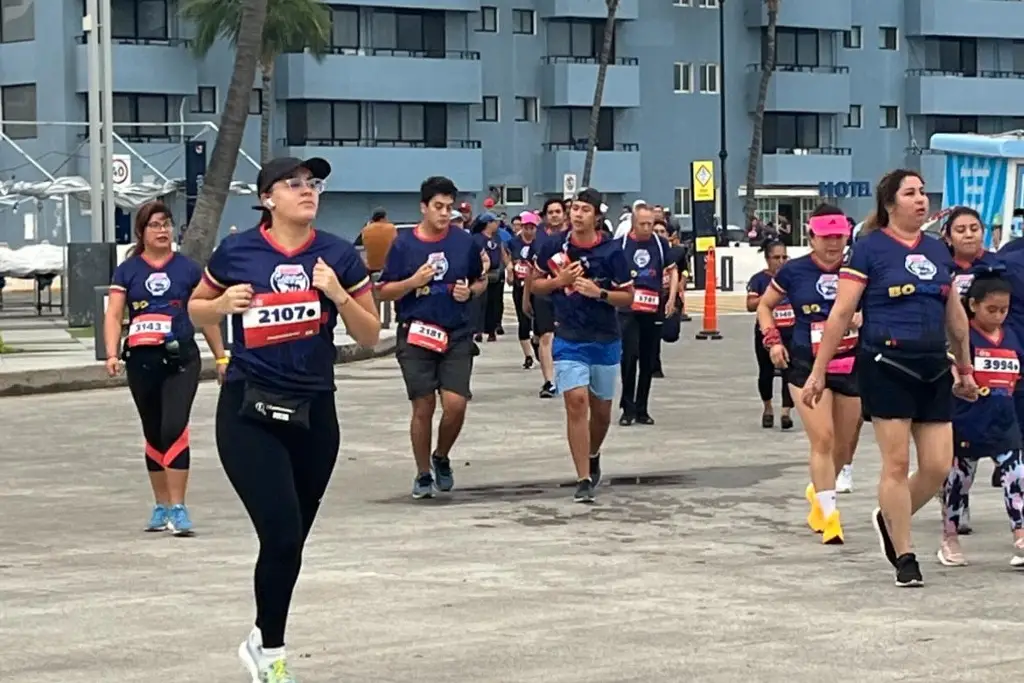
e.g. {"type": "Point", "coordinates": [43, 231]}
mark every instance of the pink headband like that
{"type": "Point", "coordinates": [829, 226]}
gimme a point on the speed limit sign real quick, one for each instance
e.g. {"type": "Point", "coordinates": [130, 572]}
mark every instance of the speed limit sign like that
{"type": "Point", "coordinates": [121, 165]}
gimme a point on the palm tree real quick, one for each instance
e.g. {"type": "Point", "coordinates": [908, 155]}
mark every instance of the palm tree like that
{"type": "Point", "coordinates": [202, 232]}
{"type": "Point", "coordinates": [291, 26]}
{"type": "Point", "coordinates": [767, 68]}
{"type": "Point", "coordinates": [602, 72]}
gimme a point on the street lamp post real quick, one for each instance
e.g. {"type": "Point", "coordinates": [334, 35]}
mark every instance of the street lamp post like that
{"type": "Point", "coordinates": [90, 23]}
{"type": "Point", "coordinates": [106, 22]}
{"type": "Point", "coordinates": [723, 149]}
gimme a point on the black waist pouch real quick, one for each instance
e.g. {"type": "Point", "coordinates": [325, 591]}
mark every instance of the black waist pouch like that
{"type": "Point", "coordinates": [924, 369]}
{"type": "Point", "coordinates": [272, 407]}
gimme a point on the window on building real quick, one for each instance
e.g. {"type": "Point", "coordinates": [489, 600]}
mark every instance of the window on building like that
{"type": "Point", "coordinates": [852, 38]}
{"type": "Point", "coordinates": [888, 37]}
{"type": "Point", "coordinates": [344, 28]}
{"type": "Point", "coordinates": [17, 20]}
{"type": "Point", "coordinates": [682, 3]}
{"type": "Point", "coordinates": [1018, 56]}
{"type": "Point", "coordinates": [580, 38]}
{"type": "Point", "coordinates": [785, 133]}
{"type": "Point", "coordinates": [793, 46]}
{"type": "Point", "coordinates": [18, 103]}
{"type": "Point", "coordinates": [570, 126]}
{"type": "Point", "coordinates": [421, 125]}
{"type": "Point", "coordinates": [682, 77]}
{"type": "Point", "coordinates": [256, 102]}
{"type": "Point", "coordinates": [682, 203]}
{"type": "Point", "coordinates": [205, 101]}
{"type": "Point", "coordinates": [489, 109]}
{"type": "Point", "coordinates": [524, 21]}
{"type": "Point", "coordinates": [409, 32]}
{"type": "Point", "coordinates": [950, 124]}
{"type": "Point", "coordinates": [139, 19]}
{"type": "Point", "coordinates": [526, 109]}
{"type": "Point", "coordinates": [954, 55]}
{"type": "Point", "coordinates": [708, 4]}
{"type": "Point", "coordinates": [322, 122]}
{"type": "Point", "coordinates": [709, 78]}
{"type": "Point", "coordinates": [135, 108]}
{"type": "Point", "coordinates": [488, 20]}
{"type": "Point", "coordinates": [889, 117]}
{"type": "Point", "coordinates": [853, 118]}
{"type": "Point", "coordinates": [514, 195]}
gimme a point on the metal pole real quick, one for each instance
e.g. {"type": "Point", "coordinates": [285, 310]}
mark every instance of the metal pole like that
{"type": "Point", "coordinates": [108, 122]}
{"type": "Point", "coordinates": [723, 149]}
{"type": "Point", "coordinates": [90, 24]}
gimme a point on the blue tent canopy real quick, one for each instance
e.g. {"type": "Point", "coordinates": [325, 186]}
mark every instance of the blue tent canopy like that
{"type": "Point", "coordinates": [1003, 146]}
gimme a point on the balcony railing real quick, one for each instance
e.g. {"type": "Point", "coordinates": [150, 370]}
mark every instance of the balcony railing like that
{"type": "Point", "coordinates": [367, 142]}
{"type": "Point", "coordinates": [966, 74]}
{"type": "Point", "coordinates": [166, 42]}
{"type": "Point", "coordinates": [581, 146]}
{"type": "Point", "coordinates": [133, 138]}
{"type": "Point", "coordinates": [795, 68]}
{"type": "Point", "coordinates": [567, 59]}
{"type": "Point", "coordinates": [919, 151]}
{"type": "Point", "coordinates": [396, 52]}
{"type": "Point", "coordinates": [808, 151]}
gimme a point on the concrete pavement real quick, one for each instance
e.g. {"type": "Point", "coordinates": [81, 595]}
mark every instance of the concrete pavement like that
{"type": "Point", "coordinates": [694, 566]}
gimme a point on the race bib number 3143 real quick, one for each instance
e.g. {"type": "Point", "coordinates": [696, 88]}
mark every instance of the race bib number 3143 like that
{"type": "Point", "coordinates": [278, 317]}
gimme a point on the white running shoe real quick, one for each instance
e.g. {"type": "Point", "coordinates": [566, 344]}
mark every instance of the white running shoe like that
{"type": "Point", "coordinates": [249, 652]}
{"type": "Point", "coordinates": [844, 482]}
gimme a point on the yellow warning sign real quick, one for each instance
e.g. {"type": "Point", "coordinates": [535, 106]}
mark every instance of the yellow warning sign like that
{"type": "Point", "coordinates": [705, 243]}
{"type": "Point", "coordinates": [703, 181]}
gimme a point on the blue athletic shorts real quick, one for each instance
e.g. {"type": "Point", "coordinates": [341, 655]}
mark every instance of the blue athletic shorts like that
{"type": "Point", "coordinates": [587, 364]}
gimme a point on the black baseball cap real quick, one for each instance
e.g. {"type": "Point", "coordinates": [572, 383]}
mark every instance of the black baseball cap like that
{"type": "Point", "coordinates": [286, 167]}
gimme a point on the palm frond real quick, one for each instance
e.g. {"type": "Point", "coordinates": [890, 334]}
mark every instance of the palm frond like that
{"type": "Point", "coordinates": [291, 26]}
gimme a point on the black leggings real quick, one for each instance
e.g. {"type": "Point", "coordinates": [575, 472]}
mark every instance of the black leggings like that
{"type": "Point", "coordinates": [766, 373]}
{"type": "Point", "coordinates": [163, 397]}
{"type": "Point", "coordinates": [495, 306]}
{"type": "Point", "coordinates": [525, 321]}
{"type": "Point", "coordinates": [280, 472]}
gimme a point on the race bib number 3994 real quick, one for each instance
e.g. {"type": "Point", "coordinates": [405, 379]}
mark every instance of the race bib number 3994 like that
{"type": "Point", "coordinates": [278, 317]}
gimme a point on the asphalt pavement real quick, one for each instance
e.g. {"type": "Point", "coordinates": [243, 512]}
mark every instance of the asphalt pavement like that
{"type": "Point", "coordinates": [694, 565]}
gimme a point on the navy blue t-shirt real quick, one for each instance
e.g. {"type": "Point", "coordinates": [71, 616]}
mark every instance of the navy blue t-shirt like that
{"type": "Point", "coordinates": [580, 318]}
{"type": "Point", "coordinates": [906, 289]}
{"type": "Point", "coordinates": [648, 260]}
{"type": "Point", "coordinates": [157, 297]}
{"type": "Point", "coordinates": [455, 256]}
{"type": "Point", "coordinates": [544, 235]}
{"type": "Point", "coordinates": [962, 277]}
{"type": "Point", "coordinates": [521, 253]}
{"type": "Point", "coordinates": [285, 341]}
{"type": "Point", "coordinates": [783, 314]}
{"type": "Point", "coordinates": [492, 247]}
{"type": "Point", "coordinates": [988, 427]}
{"type": "Point", "coordinates": [811, 290]}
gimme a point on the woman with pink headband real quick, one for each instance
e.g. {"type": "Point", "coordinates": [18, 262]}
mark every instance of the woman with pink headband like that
{"type": "Point", "coordinates": [833, 425]}
{"type": "Point", "coordinates": [521, 249]}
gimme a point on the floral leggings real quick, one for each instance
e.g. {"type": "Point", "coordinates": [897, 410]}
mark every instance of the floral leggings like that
{"type": "Point", "coordinates": [958, 485]}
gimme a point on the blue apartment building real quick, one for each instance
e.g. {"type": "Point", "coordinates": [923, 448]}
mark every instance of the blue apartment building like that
{"type": "Point", "coordinates": [496, 94]}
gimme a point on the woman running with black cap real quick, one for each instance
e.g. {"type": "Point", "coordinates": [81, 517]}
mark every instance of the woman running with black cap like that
{"type": "Point", "coordinates": [286, 285]}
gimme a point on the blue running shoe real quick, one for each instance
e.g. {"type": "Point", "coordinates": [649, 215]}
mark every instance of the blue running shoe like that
{"type": "Point", "coordinates": [178, 521]}
{"type": "Point", "coordinates": [158, 522]}
{"type": "Point", "coordinates": [443, 473]}
{"type": "Point", "coordinates": [423, 486]}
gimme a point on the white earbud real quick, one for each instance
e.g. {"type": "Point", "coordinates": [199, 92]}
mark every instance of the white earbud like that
{"type": "Point", "coordinates": [269, 203]}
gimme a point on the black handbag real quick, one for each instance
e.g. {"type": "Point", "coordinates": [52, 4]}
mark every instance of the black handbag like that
{"type": "Point", "coordinates": [671, 328]}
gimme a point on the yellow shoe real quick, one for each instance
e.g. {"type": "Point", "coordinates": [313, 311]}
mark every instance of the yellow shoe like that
{"type": "Point", "coordinates": [809, 494]}
{"type": "Point", "coordinates": [815, 519]}
{"type": "Point", "coordinates": [832, 530]}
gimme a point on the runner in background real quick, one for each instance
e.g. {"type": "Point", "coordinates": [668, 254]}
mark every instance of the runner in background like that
{"type": "Point", "coordinates": [161, 357]}
{"type": "Point", "coordinates": [586, 274]}
{"type": "Point", "coordinates": [988, 427]}
{"type": "Point", "coordinates": [784, 319]}
{"type": "Point", "coordinates": [539, 305]}
{"type": "Point", "coordinates": [491, 306]}
{"type": "Point", "coordinates": [672, 285]}
{"type": "Point", "coordinates": [431, 273]}
{"type": "Point", "coordinates": [520, 264]}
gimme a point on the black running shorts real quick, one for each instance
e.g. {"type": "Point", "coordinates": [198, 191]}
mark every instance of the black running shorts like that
{"type": "Point", "coordinates": [426, 372]}
{"type": "Point", "coordinates": [892, 393]}
{"type": "Point", "coordinates": [543, 315]}
{"type": "Point", "coordinates": [800, 364]}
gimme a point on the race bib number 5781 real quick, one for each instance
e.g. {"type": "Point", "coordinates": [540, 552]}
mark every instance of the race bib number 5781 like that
{"type": "Point", "coordinates": [279, 317]}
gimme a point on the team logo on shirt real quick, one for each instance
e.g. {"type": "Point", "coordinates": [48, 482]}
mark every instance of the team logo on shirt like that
{"type": "Point", "coordinates": [827, 286]}
{"type": "Point", "coordinates": [439, 262]}
{"type": "Point", "coordinates": [157, 284]}
{"type": "Point", "coordinates": [641, 258]}
{"type": "Point", "coordinates": [524, 252]}
{"type": "Point", "coordinates": [289, 277]}
{"type": "Point", "coordinates": [919, 266]}
{"type": "Point", "coordinates": [492, 245]}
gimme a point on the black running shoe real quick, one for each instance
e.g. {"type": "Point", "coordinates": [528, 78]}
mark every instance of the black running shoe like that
{"type": "Point", "coordinates": [908, 573]}
{"type": "Point", "coordinates": [644, 420]}
{"type": "Point", "coordinates": [527, 363]}
{"type": "Point", "coordinates": [767, 420]}
{"type": "Point", "coordinates": [787, 422]}
{"type": "Point", "coordinates": [595, 470]}
{"type": "Point", "coordinates": [548, 390]}
{"type": "Point", "coordinates": [500, 331]}
{"type": "Point", "coordinates": [884, 541]}
{"type": "Point", "coordinates": [584, 491]}
{"type": "Point", "coordinates": [997, 478]}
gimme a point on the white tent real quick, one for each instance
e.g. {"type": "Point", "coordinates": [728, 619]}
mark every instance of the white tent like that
{"type": "Point", "coordinates": [128, 197]}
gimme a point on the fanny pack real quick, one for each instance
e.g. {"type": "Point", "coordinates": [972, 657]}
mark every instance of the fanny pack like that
{"type": "Point", "coordinates": [922, 373]}
{"type": "Point", "coordinates": [272, 407]}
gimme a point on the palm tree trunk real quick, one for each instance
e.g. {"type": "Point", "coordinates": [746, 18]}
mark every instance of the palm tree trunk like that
{"type": "Point", "coordinates": [767, 67]}
{"type": "Point", "coordinates": [602, 72]}
{"type": "Point", "coordinates": [267, 73]}
{"type": "Point", "coordinates": [202, 231]}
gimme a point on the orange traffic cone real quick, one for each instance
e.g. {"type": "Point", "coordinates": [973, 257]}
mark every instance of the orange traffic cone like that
{"type": "Point", "coordinates": [709, 329]}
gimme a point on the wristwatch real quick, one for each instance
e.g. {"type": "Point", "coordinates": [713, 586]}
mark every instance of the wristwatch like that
{"type": "Point", "coordinates": [604, 295]}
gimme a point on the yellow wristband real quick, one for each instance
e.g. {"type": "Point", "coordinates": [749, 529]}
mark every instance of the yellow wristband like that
{"type": "Point", "coordinates": [223, 361]}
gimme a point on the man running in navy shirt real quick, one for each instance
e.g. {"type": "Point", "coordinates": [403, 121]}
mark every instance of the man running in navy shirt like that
{"type": "Point", "coordinates": [586, 274]}
{"type": "Point", "coordinates": [432, 272]}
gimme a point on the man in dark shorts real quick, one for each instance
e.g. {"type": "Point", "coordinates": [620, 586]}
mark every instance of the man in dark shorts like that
{"type": "Point", "coordinates": [540, 306]}
{"type": "Point", "coordinates": [431, 273]}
